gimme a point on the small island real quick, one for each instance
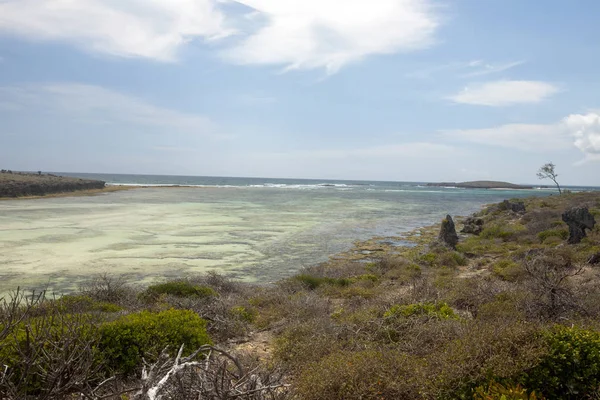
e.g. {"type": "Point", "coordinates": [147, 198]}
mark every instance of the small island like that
{"type": "Point", "coordinates": [26, 184]}
{"type": "Point", "coordinates": [481, 185]}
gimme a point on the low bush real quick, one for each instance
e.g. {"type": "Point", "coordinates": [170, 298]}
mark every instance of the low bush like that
{"type": "Point", "coordinates": [367, 374]}
{"type": "Point", "coordinates": [560, 233]}
{"type": "Point", "coordinates": [432, 310]}
{"type": "Point", "coordinates": [49, 356]}
{"type": "Point", "coordinates": [503, 232]}
{"type": "Point", "coordinates": [180, 289]}
{"type": "Point", "coordinates": [312, 282]}
{"type": "Point", "coordinates": [126, 340]}
{"type": "Point", "coordinates": [508, 270]}
{"type": "Point", "coordinates": [81, 303]}
{"type": "Point", "coordinates": [246, 314]}
{"type": "Point", "coordinates": [500, 351]}
{"type": "Point", "coordinates": [306, 342]}
{"type": "Point", "coordinates": [571, 369]}
{"type": "Point", "coordinates": [441, 257]}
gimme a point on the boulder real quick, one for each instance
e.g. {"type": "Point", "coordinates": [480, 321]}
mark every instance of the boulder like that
{"type": "Point", "coordinates": [473, 225]}
{"type": "Point", "coordinates": [448, 234]}
{"type": "Point", "coordinates": [578, 219]}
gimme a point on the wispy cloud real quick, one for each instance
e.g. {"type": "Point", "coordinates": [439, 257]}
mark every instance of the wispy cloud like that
{"type": "Point", "coordinates": [505, 93]}
{"type": "Point", "coordinates": [581, 131]}
{"type": "Point", "coordinates": [153, 29]}
{"type": "Point", "coordinates": [97, 105]}
{"type": "Point", "coordinates": [464, 69]}
{"type": "Point", "coordinates": [479, 68]}
{"type": "Point", "coordinates": [294, 34]}
{"type": "Point", "coordinates": [306, 34]}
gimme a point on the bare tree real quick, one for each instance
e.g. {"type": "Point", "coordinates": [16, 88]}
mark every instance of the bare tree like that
{"type": "Point", "coordinates": [547, 172]}
{"type": "Point", "coordinates": [550, 273]}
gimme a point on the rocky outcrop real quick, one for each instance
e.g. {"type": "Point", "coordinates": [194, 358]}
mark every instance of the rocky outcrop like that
{"type": "Point", "coordinates": [578, 219]}
{"type": "Point", "coordinates": [448, 234]}
{"type": "Point", "coordinates": [473, 225]}
{"type": "Point", "coordinates": [24, 184]}
{"type": "Point", "coordinates": [514, 206]}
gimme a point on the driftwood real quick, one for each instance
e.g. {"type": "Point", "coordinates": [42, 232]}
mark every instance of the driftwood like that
{"type": "Point", "coordinates": [219, 376]}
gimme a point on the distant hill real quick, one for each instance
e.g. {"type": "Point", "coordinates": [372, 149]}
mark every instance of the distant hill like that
{"type": "Point", "coordinates": [20, 184]}
{"type": "Point", "coordinates": [482, 185]}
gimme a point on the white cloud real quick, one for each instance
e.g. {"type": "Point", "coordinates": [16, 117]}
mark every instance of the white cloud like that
{"type": "Point", "coordinates": [505, 93]}
{"type": "Point", "coordinates": [581, 131]}
{"type": "Point", "coordinates": [96, 105]}
{"type": "Point", "coordinates": [305, 34]}
{"type": "Point", "coordinates": [292, 33]}
{"type": "Point", "coordinates": [586, 131]}
{"type": "Point", "coordinates": [153, 29]}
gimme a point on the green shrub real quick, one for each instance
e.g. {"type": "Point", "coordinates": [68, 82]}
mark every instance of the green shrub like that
{"type": "Point", "coordinates": [444, 258]}
{"type": "Point", "coordinates": [452, 259]}
{"type": "Point", "coordinates": [244, 313]}
{"type": "Point", "coordinates": [497, 391]}
{"type": "Point", "coordinates": [39, 348]}
{"type": "Point", "coordinates": [125, 341]}
{"type": "Point", "coordinates": [366, 277]}
{"type": "Point", "coordinates": [312, 282]}
{"type": "Point", "coordinates": [81, 303]}
{"type": "Point", "coordinates": [507, 270]}
{"type": "Point", "coordinates": [434, 310]}
{"type": "Point", "coordinates": [504, 232]}
{"type": "Point", "coordinates": [429, 259]}
{"type": "Point", "coordinates": [556, 232]}
{"type": "Point", "coordinates": [571, 369]}
{"type": "Point", "coordinates": [181, 289]}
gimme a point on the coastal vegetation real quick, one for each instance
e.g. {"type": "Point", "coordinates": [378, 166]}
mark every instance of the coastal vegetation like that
{"type": "Point", "coordinates": [23, 184]}
{"type": "Point", "coordinates": [510, 313]}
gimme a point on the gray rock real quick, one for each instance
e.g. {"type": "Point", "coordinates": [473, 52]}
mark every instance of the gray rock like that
{"type": "Point", "coordinates": [578, 219]}
{"type": "Point", "coordinates": [448, 234]}
{"type": "Point", "coordinates": [473, 225]}
{"type": "Point", "coordinates": [514, 206]}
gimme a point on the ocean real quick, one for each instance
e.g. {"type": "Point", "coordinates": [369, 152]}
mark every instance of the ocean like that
{"type": "Point", "coordinates": [252, 229]}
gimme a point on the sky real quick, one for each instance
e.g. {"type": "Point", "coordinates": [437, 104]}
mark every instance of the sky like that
{"type": "Point", "coordinates": [400, 90]}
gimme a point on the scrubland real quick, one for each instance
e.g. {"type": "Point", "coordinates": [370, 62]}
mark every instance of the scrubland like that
{"type": "Point", "coordinates": [511, 313]}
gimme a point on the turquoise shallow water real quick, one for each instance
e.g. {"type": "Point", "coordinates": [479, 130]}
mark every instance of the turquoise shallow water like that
{"type": "Point", "coordinates": [252, 229]}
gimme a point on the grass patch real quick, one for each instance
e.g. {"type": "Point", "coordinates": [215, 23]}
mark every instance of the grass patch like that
{"type": "Point", "coordinates": [313, 282]}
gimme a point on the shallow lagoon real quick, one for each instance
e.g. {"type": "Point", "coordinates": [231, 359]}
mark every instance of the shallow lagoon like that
{"type": "Point", "coordinates": [253, 234]}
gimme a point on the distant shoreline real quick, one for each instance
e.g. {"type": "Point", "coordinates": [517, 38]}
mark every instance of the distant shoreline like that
{"type": "Point", "coordinates": [482, 185]}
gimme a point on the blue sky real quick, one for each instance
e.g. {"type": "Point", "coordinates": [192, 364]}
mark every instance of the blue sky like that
{"type": "Point", "coordinates": [406, 90]}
